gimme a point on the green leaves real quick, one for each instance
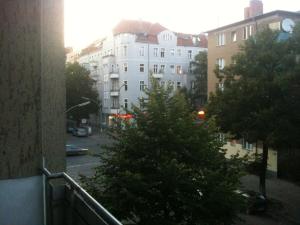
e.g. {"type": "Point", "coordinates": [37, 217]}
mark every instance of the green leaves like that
{"type": "Point", "coordinates": [164, 168]}
{"type": "Point", "coordinates": [78, 85]}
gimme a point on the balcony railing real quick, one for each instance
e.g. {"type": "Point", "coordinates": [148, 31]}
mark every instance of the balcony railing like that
{"type": "Point", "coordinates": [68, 203]}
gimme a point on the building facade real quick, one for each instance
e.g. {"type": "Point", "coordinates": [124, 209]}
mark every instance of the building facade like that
{"type": "Point", "coordinates": [224, 42]}
{"type": "Point", "coordinates": [124, 62]}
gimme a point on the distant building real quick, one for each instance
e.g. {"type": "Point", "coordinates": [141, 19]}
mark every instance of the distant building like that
{"type": "Point", "coordinates": [71, 55]}
{"type": "Point", "coordinates": [224, 42]}
{"type": "Point", "coordinates": [123, 62]}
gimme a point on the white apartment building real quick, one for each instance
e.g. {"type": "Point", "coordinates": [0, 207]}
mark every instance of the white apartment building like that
{"type": "Point", "coordinates": [123, 62]}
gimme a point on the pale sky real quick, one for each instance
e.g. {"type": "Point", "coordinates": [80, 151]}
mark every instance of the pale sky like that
{"type": "Point", "coordinates": [88, 20]}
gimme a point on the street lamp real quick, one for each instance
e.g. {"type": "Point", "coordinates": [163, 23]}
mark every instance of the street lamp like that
{"type": "Point", "coordinates": [78, 105]}
{"type": "Point", "coordinates": [100, 111]}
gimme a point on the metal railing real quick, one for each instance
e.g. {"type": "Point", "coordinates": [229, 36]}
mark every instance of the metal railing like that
{"type": "Point", "coordinates": [68, 203]}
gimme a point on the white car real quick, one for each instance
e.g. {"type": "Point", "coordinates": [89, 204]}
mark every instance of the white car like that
{"type": "Point", "coordinates": [80, 132]}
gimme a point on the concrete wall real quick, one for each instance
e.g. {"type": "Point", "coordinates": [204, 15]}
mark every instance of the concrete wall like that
{"type": "Point", "coordinates": [32, 92]}
{"type": "Point", "coordinates": [32, 104]}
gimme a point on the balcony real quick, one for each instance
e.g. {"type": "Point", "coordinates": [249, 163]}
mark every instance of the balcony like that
{"type": "Point", "coordinates": [68, 203]}
{"type": "Point", "coordinates": [114, 74]}
{"type": "Point", "coordinates": [114, 110]}
{"type": "Point", "coordinates": [114, 93]}
{"type": "Point", "coordinates": [158, 74]}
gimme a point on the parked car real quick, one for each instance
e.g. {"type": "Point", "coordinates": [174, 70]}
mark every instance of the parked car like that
{"type": "Point", "coordinates": [80, 132]}
{"type": "Point", "coordinates": [75, 150]}
{"type": "Point", "coordinates": [89, 129]}
{"type": "Point", "coordinates": [255, 202]}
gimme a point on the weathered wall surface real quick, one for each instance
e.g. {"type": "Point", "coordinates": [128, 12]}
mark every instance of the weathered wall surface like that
{"type": "Point", "coordinates": [32, 93]}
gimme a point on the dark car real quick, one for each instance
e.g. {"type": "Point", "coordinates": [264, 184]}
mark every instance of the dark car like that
{"type": "Point", "coordinates": [75, 150]}
{"type": "Point", "coordinates": [254, 202]}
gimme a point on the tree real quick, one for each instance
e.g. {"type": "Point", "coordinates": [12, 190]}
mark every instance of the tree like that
{"type": "Point", "coordinates": [256, 105]}
{"type": "Point", "coordinates": [78, 85]}
{"type": "Point", "coordinates": [198, 94]}
{"type": "Point", "coordinates": [163, 168]}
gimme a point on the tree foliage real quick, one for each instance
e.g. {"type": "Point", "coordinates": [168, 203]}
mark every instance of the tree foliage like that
{"type": "Point", "coordinates": [199, 70]}
{"type": "Point", "coordinates": [260, 93]}
{"type": "Point", "coordinates": [78, 85]}
{"type": "Point", "coordinates": [163, 168]}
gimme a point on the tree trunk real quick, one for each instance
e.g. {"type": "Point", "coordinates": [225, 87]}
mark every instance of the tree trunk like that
{"type": "Point", "coordinates": [264, 164]}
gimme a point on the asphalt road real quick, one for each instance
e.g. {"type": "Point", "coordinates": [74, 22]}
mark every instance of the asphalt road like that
{"type": "Point", "coordinates": [85, 164]}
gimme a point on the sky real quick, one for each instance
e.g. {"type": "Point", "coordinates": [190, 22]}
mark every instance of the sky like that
{"type": "Point", "coordinates": [89, 20]}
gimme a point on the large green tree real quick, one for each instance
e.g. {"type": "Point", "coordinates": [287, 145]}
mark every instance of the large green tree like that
{"type": "Point", "coordinates": [198, 93]}
{"type": "Point", "coordinates": [163, 168]}
{"type": "Point", "coordinates": [78, 85]}
{"type": "Point", "coordinates": [261, 89]}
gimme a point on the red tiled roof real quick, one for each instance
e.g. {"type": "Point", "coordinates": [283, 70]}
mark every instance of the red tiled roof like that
{"type": "Point", "coordinates": [147, 32]}
{"type": "Point", "coordinates": [187, 40]}
{"type": "Point", "coordinates": [138, 27]}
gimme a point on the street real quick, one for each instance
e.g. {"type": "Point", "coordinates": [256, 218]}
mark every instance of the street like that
{"type": "Point", "coordinates": [85, 164]}
{"type": "Point", "coordinates": [285, 192]}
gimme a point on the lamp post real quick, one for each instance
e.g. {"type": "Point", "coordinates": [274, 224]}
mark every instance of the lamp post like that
{"type": "Point", "coordinates": [78, 105]}
{"type": "Point", "coordinates": [99, 108]}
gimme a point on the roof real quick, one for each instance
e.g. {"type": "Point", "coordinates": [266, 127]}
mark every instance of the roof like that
{"type": "Point", "coordinates": [276, 12]}
{"type": "Point", "coordinates": [147, 32]}
{"type": "Point", "coordinates": [138, 27]}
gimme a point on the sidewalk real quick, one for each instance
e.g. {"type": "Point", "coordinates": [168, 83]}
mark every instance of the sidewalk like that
{"type": "Point", "coordinates": [285, 192]}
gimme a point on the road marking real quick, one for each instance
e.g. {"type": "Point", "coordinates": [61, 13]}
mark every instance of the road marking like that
{"type": "Point", "coordinates": [85, 164]}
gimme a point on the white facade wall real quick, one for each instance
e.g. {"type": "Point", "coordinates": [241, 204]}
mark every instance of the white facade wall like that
{"type": "Point", "coordinates": [123, 49]}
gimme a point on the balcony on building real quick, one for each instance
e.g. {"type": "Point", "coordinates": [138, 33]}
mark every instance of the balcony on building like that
{"type": "Point", "coordinates": [114, 73]}
{"type": "Point", "coordinates": [109, 58]}
{"type": "Point", "coordinates": [158, 74]}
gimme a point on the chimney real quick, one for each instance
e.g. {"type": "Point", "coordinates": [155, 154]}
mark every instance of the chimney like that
{"type": "Point", "coordinates": [256, 8]}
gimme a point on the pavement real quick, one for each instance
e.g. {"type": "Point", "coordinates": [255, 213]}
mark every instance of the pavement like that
{"type": "Point", "coordinates": [285, 193]}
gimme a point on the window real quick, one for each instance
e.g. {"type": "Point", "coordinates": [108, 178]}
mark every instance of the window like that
{"type": "Point", "coordinates": [247, 32]}
{"type": "Point", "coordinates": [221, 137]}
{"type": "Point", "coordinates": [178, 85]}
{"type": "Point", "coordinates": [125, 103]}
{"type": "Point", "coordinates": [189, 54]}
{"type": "Point", "coordinates": [142, 85]}
{"type": "Point", "coordinates": [155, 52]}
{"type": "Point", "coordinates": [193, 85]}
{"type": "Point", "coordinates": [167, 37]}
{"type": "Point", "coordinates": [141, 68]}
{"type": "Point", "coordinates": [179, 52]}
{"type": "Point", "coordinates": [142, 51]}
{"type": "Point", "coordinates": [124, 50]}
{"type": "Point", "coordinates": [155, 69]}
{"type": "Point", "coordinates": [221, 63]}
{"type": "Point", "coordinates": [172, 52]}
{"type": "Point", "coordinates": [171, 84]}
{"type": "Point", "coordinates": [172, 67]}
{"type": "Point", "coordinates": [233, 36]}
{"type": "Point", "coordinates": [220, 39]}
{"type": "Point", "coordinates": [221, 86]}
{"type": "Point", "coordinates": [162, 52]}
{"type": "Point", "coordinates": [125, 67]}
{"type": "Point", "coordinates": [178, 70]}
{"type": "Point", "coordinates": [250, 30]}
{"type": "Point", "coordinates": [162, 69]}
{"type": "Point", "coordinates": [247, 145]}
{"type": "Point", "coordinates": [125, 85]}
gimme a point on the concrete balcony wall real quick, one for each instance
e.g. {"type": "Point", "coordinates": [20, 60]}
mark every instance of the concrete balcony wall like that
{"type": "Point", "coordinates": [32, 103]}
